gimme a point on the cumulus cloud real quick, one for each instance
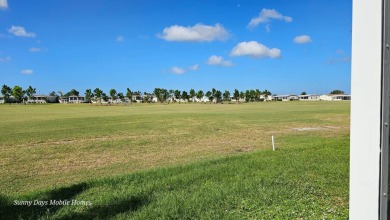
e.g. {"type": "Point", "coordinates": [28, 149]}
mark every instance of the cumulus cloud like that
{"type": "Point", "coordinates": [35, 49]}
{"type": "Point", "coordinates": [196, 33]}
{"type": "Point", "coordinates": [265, 16]}
{"type": "Point", "coordinates": [3, 4]}
{"type": "Point", "coordinates": [194, 67]}
{"type": "Point", "coordinates": [27, 71]}
{"type": "Point", "coordinates": [120, 39]}
{"type": "Point", "coordinates": [177, 70]}
{"type": "Point", "coordinates": [181, 70]}
{"type": "Point", "coordinates": [218, 61]}
{"type": "Point", "coordinates": [303, 39]}
{"type": "Point", "coordinates": [255, 49]}
{"type": "Point", "coordinates": [20, 32]}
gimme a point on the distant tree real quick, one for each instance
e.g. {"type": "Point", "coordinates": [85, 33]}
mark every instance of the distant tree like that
{"type": "Point", "coordinates": [236, 95]}
{"type": "Point", "coordinates": [171, 94]}
{"type": "Point", "coordinates": [184, 95]}
{"type": "Point", "coordinates": [61, 95]}
{"type": "Point", "coordinates": [199, 95]}
{"type": "Point", "coordinates": [72, 92]}
{"type": "Point", "coordinates": [177, 94]}
{"type": "Point", "coordinates": [303, 93]}
{"type": "Point", "coordinates": [252, 95]}
{"type": "Point", "coordinates": [218, 96]}
{"type": "Point", "coordinates": [242, 95]}
{"type": "Point", "coordinates": [210, 96]}
{"type": "Point", "coordinates": [99, 95]}
{"type": "Point", "coordinates": [161, 94]}
{"type": "Point", "coordinates": [337, 92]}
{"type": "Point", "coordinates": [247, 95]}
{"type": "Point", "coordinates": [6, 91]}
{"type": "Point", "coordinates": [18, 93]}
{"type": "Point", "coordinates": [266, 92]}
{"type": "Point", "coordinates": [121, 96]}
{"type": "Point", "coordinates": [88, 95]}
{"type": "Point", "coordinates": [104, 97]}
{"type": "Point", "coordinates": [129, 95]}
{"type": "Point", "coordinates": [30, 92]}
{"type": "Point", "coordinates": [257, 96]}
{"type": "Point", "coordinates": [192, 94]}
{"type": "Point", "coordinates": [113, 95]}
{"type": "Point", "coordinates": [226, 95]}
{"type": "Point", "coordinates": [52, 93]}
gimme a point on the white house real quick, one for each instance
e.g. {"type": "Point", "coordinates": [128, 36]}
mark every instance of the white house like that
{"type": "Point", "coordinates": [37, 99]}
{"type": "Point", "coordinates": [2, 99]}
{"type": "Point", "coordinates": [285, 97]}
{"type": "Point", "coordinates": [309, 98]}
{"type": "Point", "coordinates": [76, 99]}
{"type": "Point", "coordinates": [335, 97]}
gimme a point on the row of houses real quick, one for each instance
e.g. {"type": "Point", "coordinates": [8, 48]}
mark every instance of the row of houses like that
{"type": "Point", "coordinates": [325, 97]}
{"type": "Point", "coordinates": [152, 98]}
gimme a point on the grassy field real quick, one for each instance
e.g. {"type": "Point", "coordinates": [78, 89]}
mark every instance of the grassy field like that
{"type": "Point", "coordinates": [176, 161]}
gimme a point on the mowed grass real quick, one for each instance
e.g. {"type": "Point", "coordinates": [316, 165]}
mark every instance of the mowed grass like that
{"type": "Point", "coordinates": [216, 160]}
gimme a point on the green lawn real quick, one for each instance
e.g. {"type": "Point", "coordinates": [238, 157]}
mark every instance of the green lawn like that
{"type": "Point", "coordinates": [177, 160]}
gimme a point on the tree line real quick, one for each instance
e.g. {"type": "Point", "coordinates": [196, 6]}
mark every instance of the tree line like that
{"type": "Point", "coordinates": [162, 95]}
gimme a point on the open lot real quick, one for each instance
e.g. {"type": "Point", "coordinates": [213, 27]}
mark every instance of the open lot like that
{"type": "Point", "coordinates": [186, 159]}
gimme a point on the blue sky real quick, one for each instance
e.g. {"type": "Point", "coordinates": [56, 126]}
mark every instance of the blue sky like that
{"type": "Point", "coordinates": [284, 46]}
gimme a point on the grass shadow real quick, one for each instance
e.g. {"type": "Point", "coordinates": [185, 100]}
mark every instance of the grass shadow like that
{"type": "Point", "coordinates": [9, 209]}
{"type": "Point", "coordinates": [106, 211]}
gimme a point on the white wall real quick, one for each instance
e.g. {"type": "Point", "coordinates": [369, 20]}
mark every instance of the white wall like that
{"type": "Point", "coordinates": [365, 109]}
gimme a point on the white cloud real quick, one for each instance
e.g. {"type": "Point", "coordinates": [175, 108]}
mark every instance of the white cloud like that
{"type": "Point", "coordinates": [177, 70]}
{"type": "Point", "coordinates": [197, 33]}
{"type": "Point", "coordinates": [218, 60]}
{"type": "Point", "coordinates": [265, 17]}
{"type": "Point", "coordinates": [303, 39]}
{"type": "Point", "coordinates": [181, 70]}
{"type": "Point", "coordinates": [35, 49]}
{"type": "Point", "coordinates": [3, 4]}
{"type": "Point", "coordinates": [27, 71]}
{"type": "Point", "coordinates": [255, 49]}
{"type": "Point", "coordinates": [20, 32]}
{"type": "Point", "coordinates": [120, 39]}
{"type": "Point", "coordinates": [194, 67]}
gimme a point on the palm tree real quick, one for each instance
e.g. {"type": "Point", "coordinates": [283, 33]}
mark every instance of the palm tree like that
{"type": "Point", "coordinates": [129, 95]}
{"type": "Point", "coordinates": [98, 93]}
{"type": "Point", "coordinates": [121, 97]}
{"type": "Point", "coordinates": [177, 95]}
{"type": "Point", "coordinates": [88, 95]}
{"type": "Point", "coordinates": [199, 95]}
{"type": "Point", "coordinates": [113, 95]}
{"type": "Point", "coordinates": [30, 91]}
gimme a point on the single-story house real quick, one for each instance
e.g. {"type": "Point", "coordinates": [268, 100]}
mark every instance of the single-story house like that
{"type": "Point", "coordinates": [309, 98]}
{"type": "Point", "coordinates": [76, 99]}
{"type": "Point", "coordinates": [335, 97]}
{"type": "Point", "coordinates": [285, 97]}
